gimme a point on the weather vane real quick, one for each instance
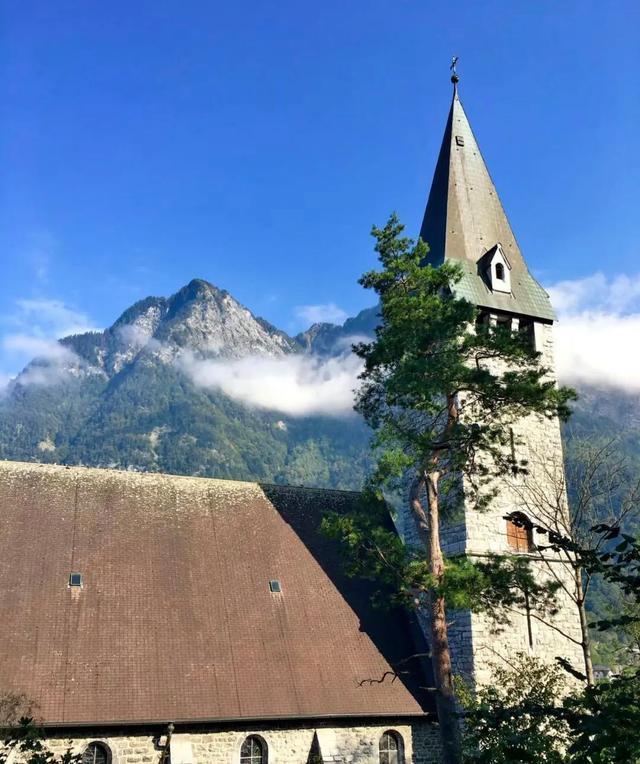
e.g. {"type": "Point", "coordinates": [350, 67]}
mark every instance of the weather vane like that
{"type": "Point", "coordinates": [454, 73]}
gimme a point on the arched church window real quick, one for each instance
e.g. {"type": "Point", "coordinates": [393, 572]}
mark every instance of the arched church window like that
{"type": "Point", "coordinates": [253, 751]}
{"type": "Point", "coordinates": [391, 748]}
{"type": "Point", "coordinates": [96, 753]}
{"type": "Point", "coordinates": [519, 533]}
{"type": "Point", "coordinates": [500, 271]}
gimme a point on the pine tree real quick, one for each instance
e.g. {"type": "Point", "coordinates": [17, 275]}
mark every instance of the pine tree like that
{"type": "Point", "coordinates": [440, 391]}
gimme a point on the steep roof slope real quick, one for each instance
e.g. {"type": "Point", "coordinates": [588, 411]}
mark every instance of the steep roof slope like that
{"type": "Point", "coordinates": [175, 619]}
{"type": "Point", "coordinates": [464, 218]}
{"type": "Point", "coordinates": [464, 215]}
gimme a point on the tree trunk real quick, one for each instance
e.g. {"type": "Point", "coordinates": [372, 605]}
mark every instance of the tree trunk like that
{"type": "Point", "coordinates": [428, 528]}
{"type": "Point", "coordinates": [584, 627]}
{"type": "Point", "coordinates": [441, 655]}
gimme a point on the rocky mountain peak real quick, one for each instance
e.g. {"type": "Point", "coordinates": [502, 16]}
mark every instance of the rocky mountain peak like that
{"type": "Point", "coordinates": [199, 319]}
{"type": "Point", "coordinates": [210, 322]}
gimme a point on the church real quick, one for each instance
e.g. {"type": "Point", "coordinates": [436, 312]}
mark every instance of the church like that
{"type": "Point", "coordinates": [152, 618]}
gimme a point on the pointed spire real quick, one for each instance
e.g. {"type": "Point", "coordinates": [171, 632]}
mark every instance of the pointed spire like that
{"type": "Point", "coordinates": [464, 221]}
{"type": "Point", "coordinates": [464, 217]}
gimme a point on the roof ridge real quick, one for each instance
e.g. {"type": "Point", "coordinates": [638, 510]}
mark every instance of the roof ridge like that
{"type": "Point", "coordinates": [8, 464]}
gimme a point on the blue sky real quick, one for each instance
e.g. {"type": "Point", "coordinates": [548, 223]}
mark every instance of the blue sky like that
{"type": "Point", "coordinates": [253, 144]}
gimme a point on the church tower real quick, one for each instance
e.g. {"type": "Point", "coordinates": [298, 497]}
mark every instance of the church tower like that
{"type": "Point", "coordinates": [465, 222]}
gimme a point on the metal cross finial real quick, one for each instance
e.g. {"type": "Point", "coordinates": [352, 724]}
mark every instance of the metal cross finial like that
{"type": "Point", "coordinates": [454, 75]}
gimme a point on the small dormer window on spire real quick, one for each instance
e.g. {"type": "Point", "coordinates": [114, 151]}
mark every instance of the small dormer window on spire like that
{"type": "Point", "coordinates": [497, 269]}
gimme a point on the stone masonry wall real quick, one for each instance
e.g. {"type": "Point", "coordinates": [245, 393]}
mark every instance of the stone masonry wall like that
{"type": "Point", "coordinates": [475, 643]}
{"type": "Point", "coordinates": [338, 744]}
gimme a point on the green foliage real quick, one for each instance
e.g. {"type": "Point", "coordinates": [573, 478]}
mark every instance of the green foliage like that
{"type": "Point", "coordinates": [152, 418]}
{"type": "Point", "coordinates": [426, 360]}
{"type": "Point", "coordinates": [605, 721]}
{"type": "Point", "coordinates": [602, 417]}
{"type": "Point", "coordinates": [526, 715]}
{"type": "Point", "coordinates": [26, 739]}
{"type": "Point", "coordinates": [372, 549]}
{"type": "Point", "coordinates": [517, 718]}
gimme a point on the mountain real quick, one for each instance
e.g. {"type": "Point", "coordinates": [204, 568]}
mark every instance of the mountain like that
{"type": "Point", "coordinates": [327, 339]}
{"type": "Point", "coordinates": [124, 398]}
{"type": "Point", "coordinates": [121, 398]}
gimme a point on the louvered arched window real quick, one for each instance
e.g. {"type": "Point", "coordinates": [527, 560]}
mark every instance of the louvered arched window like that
{"type": "Point", "coordinates": [253, 751]}
{"type": "Point", "coordinates": [519, 533]}
{"type": "Point", "coordinates": [391, 748]}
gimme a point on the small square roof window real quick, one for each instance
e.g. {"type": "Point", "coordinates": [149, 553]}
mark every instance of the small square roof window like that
{"type": "Point", "coordinates": [275, 587]}
{"type": "Point", "coordinates": [75, 579]}
{"type": "Point", "coordinates": [459, 140]}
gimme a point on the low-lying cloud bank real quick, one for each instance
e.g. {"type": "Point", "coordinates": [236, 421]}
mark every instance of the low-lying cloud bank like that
{"type": "Point", "coordinates": [297, 385]}
{"type": "Point", "coordinates": [598, 332]}
{"type": "Point", "coordinates": [32, 331]}
{"type": "Point", "coordinates": [597, 343]}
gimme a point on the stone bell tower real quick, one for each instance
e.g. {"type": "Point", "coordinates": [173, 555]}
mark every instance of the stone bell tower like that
{"type": "Point", "coordinates": [465, 222]}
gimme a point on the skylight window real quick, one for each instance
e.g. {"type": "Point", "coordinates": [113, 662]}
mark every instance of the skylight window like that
{"type": "Point", "coordinates": [75, 579]}
{"type": "Point", "coordinates": [275, 587]}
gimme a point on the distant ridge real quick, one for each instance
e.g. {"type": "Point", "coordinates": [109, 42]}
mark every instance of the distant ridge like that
{"type": "Point", "coordinates": [118, 399]}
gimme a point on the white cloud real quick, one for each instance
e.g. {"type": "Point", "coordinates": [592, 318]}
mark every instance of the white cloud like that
{"type": "Point", "coordinates": [328, 313]}
{"type": "Point", "coordinates": [51, 374]}
{"type": "Point", "coordinates": [596, 293]}
{"type": "Point", "coordinates": [32, 331]}
{"type": "Point", "coordinates": [38, 347]}
{"type": "Point", "coordinates": [598, 333]}
{"type": "Point", "coordinates": [51, 318]}
{"type": "Point", "coordinates": [59, 361]}
{"type": "Point", "coordinates": [296, 385]}
{"type": "Point", "coordinates": [600, 349]}
{"type": "Point", "coordinates": [135, 335]}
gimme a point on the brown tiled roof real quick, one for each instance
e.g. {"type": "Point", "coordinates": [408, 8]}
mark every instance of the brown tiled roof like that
{"type": "Point", "coordinates": [175, 619]}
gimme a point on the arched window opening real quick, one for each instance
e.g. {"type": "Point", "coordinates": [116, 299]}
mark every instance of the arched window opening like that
{"type": "Point", "coordinates": [253, 751]}
{"type": "Point", "coordinates": [519, 533]}
{"type": "Point", "coordinates": [500, 271]}
{"type": "Point", "coordinates": [96, 753]}
{"type": "Point", "coordinates": [391, 748]}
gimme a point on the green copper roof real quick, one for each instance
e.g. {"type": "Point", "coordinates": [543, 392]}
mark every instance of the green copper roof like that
{"type": "Point", "coordinates": [464, 219]}
{"type": "Point", "coordinates": [527, 297]}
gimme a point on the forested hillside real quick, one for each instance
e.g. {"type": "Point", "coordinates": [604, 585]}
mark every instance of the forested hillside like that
{"type": "Point", "coordinates": [121, 398]}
